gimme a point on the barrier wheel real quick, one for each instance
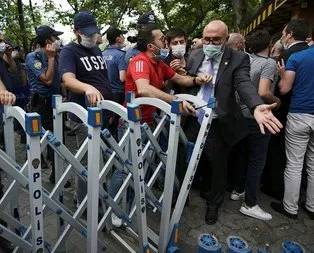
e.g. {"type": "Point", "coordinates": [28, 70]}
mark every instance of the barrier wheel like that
{"type": "Point", "coordinates": [209, 241]}
{"type": "Point", "coordinates": [237, 244]}
{"type": "Point", "coordinates": [292, 247]}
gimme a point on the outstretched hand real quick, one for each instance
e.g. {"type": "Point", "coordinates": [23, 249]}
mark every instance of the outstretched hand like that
{"type": "Point", "coordinates": [265, 118]}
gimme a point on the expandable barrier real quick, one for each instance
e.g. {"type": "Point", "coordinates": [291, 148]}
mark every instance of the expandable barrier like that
{"type": "Point", "coordinates": [141, 160]}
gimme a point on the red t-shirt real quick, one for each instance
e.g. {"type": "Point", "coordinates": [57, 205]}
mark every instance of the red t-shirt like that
{"type": "Point", "coordinates": [142, 66]}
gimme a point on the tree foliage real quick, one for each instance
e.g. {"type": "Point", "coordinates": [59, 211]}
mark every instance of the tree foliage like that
{"type": "Point", "coordinates": [106, 11]}
{"type": "Point", "coordinates": [10, 22]}
{"type": "Point", "coordinates": [189, 14]}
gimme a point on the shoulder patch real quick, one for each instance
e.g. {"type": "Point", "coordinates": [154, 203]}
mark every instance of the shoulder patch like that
{"type": "Point", "coordinates": [37, 65]}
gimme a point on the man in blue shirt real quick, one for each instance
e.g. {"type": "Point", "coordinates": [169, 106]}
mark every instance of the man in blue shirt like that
{"type": "Point", "coordinates": [44, 80]}
{"type": "Point", "coordinates": [114, 57]}
{"type": "Point", "coordinates": [84, 74]}
{"type": "Point", "coordinates": [115, 62]}
{"type": "Point", "coordinates": [298, 77]}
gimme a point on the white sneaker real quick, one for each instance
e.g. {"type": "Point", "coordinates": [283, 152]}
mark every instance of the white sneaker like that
{"type": "Point", "coordinates": [255, 212]}
{"type": "Point", "coordinates": [116, 221]}
{"type": "Point", "coordinates": [237, 196]}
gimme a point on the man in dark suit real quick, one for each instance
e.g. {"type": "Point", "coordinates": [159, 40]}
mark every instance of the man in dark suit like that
{"type": "Point", "coordinates": [230, 71]}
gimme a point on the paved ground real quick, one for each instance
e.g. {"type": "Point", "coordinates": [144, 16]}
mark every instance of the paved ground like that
{"type": "Point", "coordinates": [231, 222]}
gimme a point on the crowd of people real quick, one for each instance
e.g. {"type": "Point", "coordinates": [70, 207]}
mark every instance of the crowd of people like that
{"type": "Point", "coordinates": [263, 85]}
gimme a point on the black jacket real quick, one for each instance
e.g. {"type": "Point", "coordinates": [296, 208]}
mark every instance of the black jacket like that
{"type": "Point", "coordinates": [233, 75]}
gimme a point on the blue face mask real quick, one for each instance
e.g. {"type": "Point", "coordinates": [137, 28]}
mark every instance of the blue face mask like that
{"type": "Point", "coordinates": [163, 53]}
{"type": "Point", "coordinates": [212, 51]}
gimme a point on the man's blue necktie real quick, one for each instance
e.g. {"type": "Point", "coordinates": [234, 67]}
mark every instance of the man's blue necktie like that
{"type": "Point", "coordinates": [207, 91]}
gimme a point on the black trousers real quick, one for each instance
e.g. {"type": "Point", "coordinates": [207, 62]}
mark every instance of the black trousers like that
{"type": "Point", "coordinates": [43, 107]}
{"type": "Point", "coordinates": [250, 163]}
{"type": "Point", "coordinates": [215, 155]}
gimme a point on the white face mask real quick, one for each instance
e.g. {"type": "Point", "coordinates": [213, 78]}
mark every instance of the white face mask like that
{"type": "Point", "coordinates": [88, 42]}
{"type": "Point", "coordinates": [178, 51]}
{"type": "Point", "coordinates": [2, 47]}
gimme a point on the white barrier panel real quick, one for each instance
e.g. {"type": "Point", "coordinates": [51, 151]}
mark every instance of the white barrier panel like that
{"type": "Point", "coordinates": [129, 154]}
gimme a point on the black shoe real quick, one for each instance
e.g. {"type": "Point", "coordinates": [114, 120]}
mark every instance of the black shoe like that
{"type": "Point", "coordinates": [311, 214]}
{"type": "Point", "coordinates": [211, 216]}
{"type": "Point", "coordinates": [5, 245]}
{"type": "Point", "coordinates": [278, 207]}
{"type": "Point", "coordinates": [67, 184]}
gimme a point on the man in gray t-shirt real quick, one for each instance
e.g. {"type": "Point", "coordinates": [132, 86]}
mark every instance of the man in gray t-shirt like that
{"type": "Point", "coordinates": [253, 150]}
{"type": "Point", "coordinates": [263, 75]}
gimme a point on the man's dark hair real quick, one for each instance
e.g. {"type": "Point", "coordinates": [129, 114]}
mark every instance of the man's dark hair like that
{"type": "Point", "coordinates": [299, 28]}
{"type": "Point", "coordinates": [145, 37]}
{"type": "Point", "coordinates": [175, 33]}
{"type": "Point", "coordinates": [275, 37]}
{"type": "Point", "coordinates": [41, 40]}
{"type": "Point", "coordinates": [258, 41]}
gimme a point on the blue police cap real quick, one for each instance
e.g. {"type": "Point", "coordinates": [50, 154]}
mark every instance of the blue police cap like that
{"type": "Point", "coordinates": [45, 30]}
{"type": "Point", "coordinates": [86, 23]}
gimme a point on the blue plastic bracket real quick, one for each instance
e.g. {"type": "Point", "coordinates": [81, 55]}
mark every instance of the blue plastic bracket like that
{"type": "Point", "coordinates": [33, 124]}
{"type": "Point", "coordinates": [134, 113]}
{"type": "Point", "coordinates": [177, 106]}
{"type": "Point", "coordinates": [94, 117]}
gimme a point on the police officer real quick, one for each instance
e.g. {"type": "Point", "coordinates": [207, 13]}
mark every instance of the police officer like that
{"type": "Point", "coordinates": [145, 21]}
{"type": "Point", "coordinates": [44, 79]}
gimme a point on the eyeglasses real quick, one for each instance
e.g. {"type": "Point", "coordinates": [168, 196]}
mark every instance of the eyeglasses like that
{"type": "Point", "coordinates": [213, 40]}
{"type": "Point", "coordinates": [162, 39]}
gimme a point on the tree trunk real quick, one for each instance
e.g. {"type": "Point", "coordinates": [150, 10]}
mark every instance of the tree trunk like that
{"type": "Point", "coordinates": [32, 14]}
{"type": "Point", "coordinates": [237, 14]}
{"type": "Point", "coordinates": [22, 25]}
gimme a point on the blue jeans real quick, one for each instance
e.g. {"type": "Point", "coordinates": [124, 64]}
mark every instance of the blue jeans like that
{"type": "Point", "coordinates": [251, 161]}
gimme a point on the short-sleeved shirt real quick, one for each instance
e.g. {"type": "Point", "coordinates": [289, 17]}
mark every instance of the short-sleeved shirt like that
{"type": "Point", "coordinates": [115, 61]}
{"type": "Point", "coordinates": [302, 99]}
{"type": "Point", "coordinates": [144, 67]}
{"type": "Point", "coordinates": [130, 54]}
{"type": "Point", "coordinates": [261, 68]}
{"type": "Point", "coordinates": [88, 65]}
{"type": "Point", "coordinates": [36, 65]}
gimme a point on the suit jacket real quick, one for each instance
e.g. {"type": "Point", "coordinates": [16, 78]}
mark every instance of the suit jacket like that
{"type": "Point", "coordinates": [233, 75]}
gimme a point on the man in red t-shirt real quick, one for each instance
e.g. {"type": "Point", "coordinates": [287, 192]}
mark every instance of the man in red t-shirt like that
{"type": "Point", "coordinates": [147, 73]}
